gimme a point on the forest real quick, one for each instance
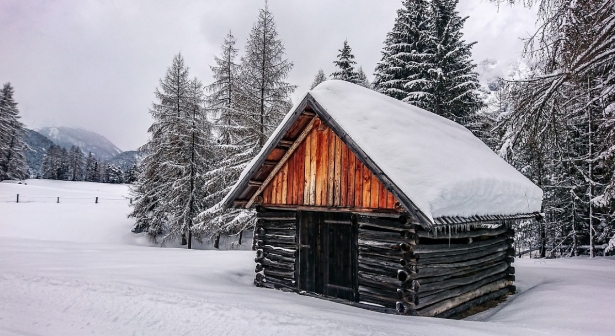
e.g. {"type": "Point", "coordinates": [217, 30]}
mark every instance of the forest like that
{"type": "Point", "coordinates": [555, 124]}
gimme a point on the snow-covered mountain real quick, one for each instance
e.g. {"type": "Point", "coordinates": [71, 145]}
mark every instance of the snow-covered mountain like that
{"type": "Point", "coordinates": [88, 141]}
{"type": "Point", "coordinates": [37, 146]}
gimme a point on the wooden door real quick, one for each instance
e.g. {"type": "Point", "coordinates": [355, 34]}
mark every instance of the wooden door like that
{"type": "Point", "coordinates": [328, 254]}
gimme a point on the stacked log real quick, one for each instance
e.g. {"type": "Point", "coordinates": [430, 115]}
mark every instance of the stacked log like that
{"type": "Point", "coordinates": [386, 258]}
{"type": "Point", "coordinates": [275, 242]}
{"type": "Point", "coordinates": [416, 272]}
{"type": "Point", "coordinates": [462, 269]}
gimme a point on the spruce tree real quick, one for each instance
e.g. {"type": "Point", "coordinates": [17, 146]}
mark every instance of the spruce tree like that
{"type": "Point", "coordinates": [407, 56]}
{"type": "Point", "coordinates": [454, 83]}
{"type": "Point", "coordinates": [91, 169]}
{"type": "Point", "coordinates": [320, 77]}
{"type": "Point", "coordinates": [345, 63]}
{"type": "Point", "coordinates": [169, 192]}
{"type": "Point", "coordinates": [362, 78]}
{"type": "Point", "coordinates": [76, 164]}
{"type": "Point", "coordinates": [13, 163]}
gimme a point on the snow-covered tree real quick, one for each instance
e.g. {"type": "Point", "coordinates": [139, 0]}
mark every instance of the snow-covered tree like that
{"type": "Point", "coordinates": [92, 169]}
{"type": "Point", "coordinates": [345, 63]}
{"type": "Point", "coordinates": [13, 163]}
{"type": "Point", "coordinates": [246, 116]}
{"type": "Point", "coordinates": [264, 69]}
{"type": "Point", "coordinates": [454, 82]}
{"type": "Point", "coordinates": [113, 174]}
{"type": "Point", "coordinates": [407, 56]}
{"type": "Point", "coordinates": [131, 174]}
{"type": "Point", "coordinates": [362, 78]}
{"type": "Point", "coordinates": [320, 77]}
{"type": "Point", "coordinates": [76, 164]}
{"type": "Point", "coordinates": [169, 191]}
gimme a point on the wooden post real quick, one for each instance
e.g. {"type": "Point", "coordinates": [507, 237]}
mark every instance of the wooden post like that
{"type": "Point", "coordinates": [58, 201]}
{"type": "Point", "coordinates": [217, 241]}
{"type": "Point", "coordinates": [240, 236]}
{"type": "Point", "coordinates": [96, 200]}
{"type": "Point", "coordinates": [131, 200]}
{"type": "Point", "coordinates": [17, 198]}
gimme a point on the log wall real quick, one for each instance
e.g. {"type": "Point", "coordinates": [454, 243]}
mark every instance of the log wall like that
{"type": "Point", "coordinates": [275, 242]}
{"type": "Point", "coordinates": [323, 171]}
{"type": "Point", "coordinates": [401, 266]}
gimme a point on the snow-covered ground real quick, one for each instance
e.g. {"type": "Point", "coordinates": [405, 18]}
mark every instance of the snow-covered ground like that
{"type": "Point", "coordinates": [75, 269]}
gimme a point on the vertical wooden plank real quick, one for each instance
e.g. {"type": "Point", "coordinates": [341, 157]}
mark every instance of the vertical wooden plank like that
{"type": "Point", "coordinates": [307, 170]}
{"type": "Point", "coordinates": [337, 191]}
{"type": "Point", "coordinates": [267, 194]}
{"type": "Point", "coordinates": [284, 182]}
{"type": "Point", "coordinates": [301, 173]}
{"type": "Point", "coordinates": [344, 175]}
{"type": "Point", "coordinates": [351, 171]}
{"type": "Point", "coordinates": [390, 200]}
{"type": "Point", "coordinates": [290, 177]}
{"type": "Point", "coordinates": [274, 190]}
{"type": "Point", "coordinates": [313, 156]}
{"type": "Point", "coordinates": [330, 167]}
{"type": "Point", "coordinates": [382, 196]}
{"type": "Point", "coordinates": [375, 189]}
{"type": "Point", "coordinates": [358, 184]}
{"type": "Point", "coordinates": [367, 179]}
{"type": "Point", "coordinates": [319, 166]}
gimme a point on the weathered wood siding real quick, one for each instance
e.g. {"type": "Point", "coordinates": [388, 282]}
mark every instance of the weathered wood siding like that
{"type": "Point", "coordinates": [323, 171]}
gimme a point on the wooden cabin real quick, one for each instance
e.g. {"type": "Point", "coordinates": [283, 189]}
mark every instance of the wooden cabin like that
{"type": "Point", "coordinates": [369, 201]}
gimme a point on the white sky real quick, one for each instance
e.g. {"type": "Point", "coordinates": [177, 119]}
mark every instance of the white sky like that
{"type": "Point", "coordinates": [95, 63]}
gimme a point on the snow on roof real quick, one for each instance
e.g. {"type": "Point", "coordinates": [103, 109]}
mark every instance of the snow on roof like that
{"type": "Point", "coordinates": [438, 164]}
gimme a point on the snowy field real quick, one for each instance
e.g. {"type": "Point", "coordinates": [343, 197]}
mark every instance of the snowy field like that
{"type": "Point", "coordinates": [74, 268]}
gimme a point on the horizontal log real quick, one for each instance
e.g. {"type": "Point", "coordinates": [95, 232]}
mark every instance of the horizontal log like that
{"type": "Point", "coordinates": [377, 270]}
{"type": "Point", "coordinates": [434, 287]}
{"type": "Point", "coordinates": [405, 308]}
{"type": "Point", "coordinates": [437, 250]}
{"type": "Point", "coordinates": [278, 257]}
{"type": "Point", "coordinates": [465, 263]}
{"type": "Point", "coordinates": [427, 300]}
{"type": "Point", "coordinates": [445, 305]}
{"type": "Point", "coordinates": [260, 243]}
{"type": "Point", "coordinates": [285, 252]}
{"type": "Point", "coordinates": [384, 301]}
{"type": "Point", "coordinates": [289, 266]}
{"type": "Point", "coordinates": [368, 279]}
{"type": "Point", "coordinates": [280, 225]}
{"type": "Point", "coordinates": [473, 303]}
{"type": "Point", "coordinates": [465, 234]}
{"type": "Point", "coordinates": [277, 215]}
{"type": "Point", "coordinates": [383, 252]}
{"type": "Point", "coordinates": [278, 238]}
{"type": "Point", "coordinates": [379, 278]}
{"type": "Point", "coordinates": [464, 273]}
{"type": "Point", "coordinates": [444, 271]}
{"type": "Point", "coordinates": [387, 236]}
{"type": "Point", "coordinates": [276, 231]}
{"type": "Point", "coordinates": [470, 255]}
{"type": "Point", "coordinates": [389, 224]}
{"type": "Point", "coordinates": [269, 272]}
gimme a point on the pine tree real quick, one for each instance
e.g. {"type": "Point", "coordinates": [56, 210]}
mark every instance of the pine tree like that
{"type": "Point", "coordinates": [169, 191]}
{"type": "Point", "coordinates": [76, 164]}
{"type": "Point", "coordinates": [264, 68]}
{"type": "Point", "coordinates": [345, 63]}
{"type": "Point", "coordinates": [407, 56]}
{"type": "Point", "coordinates": [130, 175]}
{"type": "Point", "coordinates": [12, 147]}
{"type": "Point", "coordinates": [91, 169]}
{"type": "Point", "coordinates": [454, 84]}
{"type": "Point", "coordinates": [320, 77]}
{"type": "Point", "coordinates": [114, 174]}
{"type": "Point", "coordinates": [362, 79]}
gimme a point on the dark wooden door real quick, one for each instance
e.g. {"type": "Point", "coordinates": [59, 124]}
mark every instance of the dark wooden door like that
{"type": "Point", "coordinates": [328, 254]}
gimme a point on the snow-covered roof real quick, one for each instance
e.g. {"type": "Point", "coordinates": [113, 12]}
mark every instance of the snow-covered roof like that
{"type": "Point", "coordinates": [440, 166]}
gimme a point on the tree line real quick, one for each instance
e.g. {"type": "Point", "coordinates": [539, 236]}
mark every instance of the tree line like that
{"type": "Point", "coordinates": [72, 165]}
{"type": "Point", "coordinates": [13, 164]}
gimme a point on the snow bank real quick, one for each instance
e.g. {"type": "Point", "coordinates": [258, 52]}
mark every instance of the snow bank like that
{"type": "Point", "coordinates": [441, 166]}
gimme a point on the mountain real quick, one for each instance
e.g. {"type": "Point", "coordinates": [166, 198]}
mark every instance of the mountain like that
{"type": "Point", "coordinates": [37, 146]}
{"type": "Point", "coordinates": [126, 160]}
{"type": "Point", "coordinates": [88, 141]}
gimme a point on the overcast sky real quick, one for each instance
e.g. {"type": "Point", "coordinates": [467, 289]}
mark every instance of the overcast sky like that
{"type": "Point", "coordinates": [95, 63]}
